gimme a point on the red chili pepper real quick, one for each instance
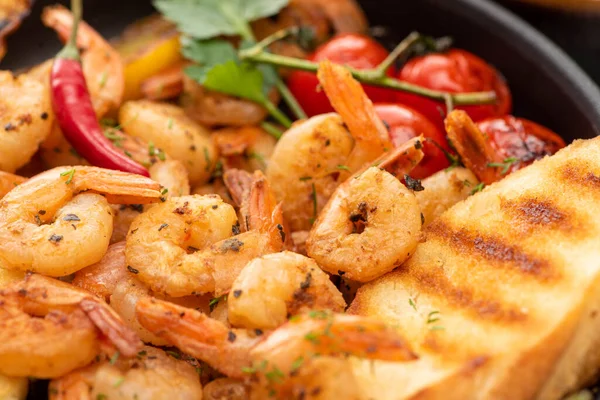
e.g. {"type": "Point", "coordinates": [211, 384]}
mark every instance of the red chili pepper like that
{"type": "Point", "coordinates": [74, 111]}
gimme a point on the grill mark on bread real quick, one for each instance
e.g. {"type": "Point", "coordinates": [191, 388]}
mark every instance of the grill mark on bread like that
{"type": "Point", "coordinates": [493, 249]}
{"type": "Point", "coordinates": [534, 213]}
{"type": "Point", "coordinates": [579, 173]}
{"type": "Point", "coordinates": [491, 309]}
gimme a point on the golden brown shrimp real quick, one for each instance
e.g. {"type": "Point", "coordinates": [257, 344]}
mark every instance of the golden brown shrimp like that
{"type": "Point", "coordinates": [226, 389]}
{"type": "Point", "coordinates": [240, 353]}
{"type": "Point", "coordinates": [102, 278]}
{"type": "Point", "coordinates": [13, 388]}
{"type": "Point", "coordinates": [49, 328]}
{"type": "Point", "coordinates": [349, 100]}
{"type": "Point", "coordinates": [473, 146]}
{"type": "Point", "coordinates": [212, 108]}
{"type": "Point", "coordinates": [315, 156]}
{"type": "Point", "coordinates": [115, 283]}
{"type": "Point", "coordinates": [8, 182]}
{"type": "Point", "coordinates": [274, 286]}
{"type": "Point", "coordinates": [165, 85]}
{"type": "Point", "coordinates": [26, 118]}
{"type": "Point", "coordinates": [56, 151]}
{"type": "Point", "coordinates": [194, 251]}
{"type": "Point", "coordinates": [102, 65]}
{"type": "Point", "coordinates": [372, 223]}
{"type": "Point", "coordinates": [217, 186]}
{"type": "Point", "coordinates": [123, 216]}
{"type": "Point", "coordinates": [247, 147]}
{"type": "Point", "coordinates": [444, 189]}
{"type": "Point", "coordinates": [173, 176]}
{"type": "Point", "coordinates": [167, 126]}
{"type": "Point", "coordinates": [49, 225]}
{"type": "Point", "coordinates": [152, 375]}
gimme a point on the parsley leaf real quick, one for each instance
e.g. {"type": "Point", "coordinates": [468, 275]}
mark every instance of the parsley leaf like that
{"type": "Point", "coordinates": [240, 80]}
{"type": "Point", "coordinates": [204, 19]}
{"type": "Point", "coordinates": [208, 52]}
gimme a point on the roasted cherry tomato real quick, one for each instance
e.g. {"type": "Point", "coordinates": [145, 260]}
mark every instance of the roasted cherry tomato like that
{"type": "Point", "coordinates": [405, 123]}
{"type": "Point", "coordinates": [520, 141]}
{"type": "Point", "coordinates": [357, 51]}
{"type": "Point", "coordinates": [456, 71]}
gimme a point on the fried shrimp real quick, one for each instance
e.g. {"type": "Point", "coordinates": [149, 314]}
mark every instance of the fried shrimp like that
{"type": "Point", "coordinates": [48, 225]}
{"type": "Point", "coordinates": [26, 117]}
{"type": "Point", "coordinates": [474, 147]}
{"type": "Point", "coordinates": [315, 156]}
{"type": "Point", "coordinates": [167, 127]}
{"type": "Point", "coordinates": [111, 280]}
{"type": "Point", "coordinates": [152, 375]}
{"type": "Point", "coordinates": [102, 65]}
{"type": "Point", "coordinates": [49, 328]}
{"type": "Point", "coordinates": [172, 175]}
{"type": "Point", "coordinates": [247, 147]}
{"type": "Point", "coordinates": [444, 189]}
{"type": "Point", "coordinates": [8, 182]}
{"type": "Point", "coordinates": [350, 101]}
{"type": "Point", "coordinates": [372, 223]}
{"type": "Point", "coordinates": [185, 245]}
{"type": "Point", "coordinates": [276, 285]}
{"type": "Point", "coordinates": [240, 353]}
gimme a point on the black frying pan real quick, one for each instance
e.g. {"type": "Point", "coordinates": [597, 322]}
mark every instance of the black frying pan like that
{"type": "Point", "coordinates": [547, 86]}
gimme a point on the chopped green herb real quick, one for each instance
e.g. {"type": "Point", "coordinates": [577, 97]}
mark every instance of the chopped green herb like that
{"type": "Point", "coordinates": [215, 301]}
{"type": "Point", "coordinates": [114, 357]}
{"type": "Point", "coordinates": [297, 363]}
{"type": "Point", "coordinates": [174, 354]}
{"type": "Point", "coordinates": [343, 167]}
{"type": "Point", "coordinates": [433, 317]}
{"type": "Point", "coordinates": [103, 79]}
{"type": "Point", "coordinates": [478, 188]}
{"type": "Point", "coordinates": [275, 375]}
{"type": "Point", "coordinates": [318, 314]}
{"type": "Point", "coordinates": [314, 201]}
{"type": "Point", "coordinates": [505, 164]}
{"type": "Point", "coordinates": [128, 154]}
{"type": "Point", "coordinates": [170, 123]}
{"type": "Point", "coordinates": [412, 303]}
{"type": "Point", "coordinates": [70, 174]}
{"type": "Point", "coordinates": [312, 337]}
{"type": "Point", "coordinates": [119, 382]}
{"type": "Point", "coordinates": [101, 396]}
{"type": "Point", "coordinates": [305, 178]}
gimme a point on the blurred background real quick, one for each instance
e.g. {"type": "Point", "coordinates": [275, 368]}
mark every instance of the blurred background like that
{"type": "Point", "coordinates": [572, 24]}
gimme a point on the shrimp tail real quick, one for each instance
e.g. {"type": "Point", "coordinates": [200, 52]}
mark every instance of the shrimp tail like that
{"type": "Point", "coordinates": [197, 334]}
{"type": "Point", "coordinates": [403, 159]}
{"type": "Point", "coordinates": [473, 146]}
{"type": "Point", "coordinates": [111, 326]}
{"type": "Point", "coordinates": [350, 101]}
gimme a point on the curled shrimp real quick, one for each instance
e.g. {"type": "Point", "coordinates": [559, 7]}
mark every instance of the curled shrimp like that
{"type": "Point", "coordinates": [247, 147]}
{"type": "Point", "coordinates": [315, 156]}
{"type": "Point", "coordinates": [444, 189]}
{"type": "Point", "coordinates": [152, 374]}
{"type": "Point", "coordinates": [173, 176]}
{"type": "Point", "coordinates": [372, 223]}
{"type": "Point", "coordinates": [226, 389]}
{"type": "Point", "coordinates": [49, 328]}
{"type": "Point", "coordinates": [185, 245]}
{"type": "Point", "coordinates": [349, 100]}
{"type": "Point", "coordinates": [243, 354]}
{"type": "Point", "coordinates": [111, 280]}
{"type": "Point", "coordinates": [474, 147]}
{"type": "Point", "coordinates": [8, 182]}
{"type": "Point", "coordinates": [48, 225]}
{"type": "Point", "coordinates": [26, 118]}
{"type": "Point", "coordinates": [276, 285]}
{"type": "Point", "coordinates": [167, 127]}
{"type": "Point", "coordinates": [102, 65]}
{"type": "Point", "coordinates": [213, 108]}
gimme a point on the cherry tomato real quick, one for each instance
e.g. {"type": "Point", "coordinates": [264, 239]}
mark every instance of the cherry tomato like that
{"type": "Point", "coordinates": [405, 123]}
{"type": "Point", "coordinates": [456, 71]}
{"type": "Point", "coordinates": [357, 51]}
{"type": "Point", "coordinates": [521, 139]}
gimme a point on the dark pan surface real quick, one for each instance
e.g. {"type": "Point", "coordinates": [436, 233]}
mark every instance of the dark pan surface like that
{"type": "Point", "coordinates": [548, 87]}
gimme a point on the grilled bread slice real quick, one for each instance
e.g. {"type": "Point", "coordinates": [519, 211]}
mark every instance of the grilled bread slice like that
{"type": "Point", "coordinates": [502, 300]}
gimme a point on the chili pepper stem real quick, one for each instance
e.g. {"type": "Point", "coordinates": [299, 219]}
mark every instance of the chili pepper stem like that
{"type": "Point", "coordinates": [257, 54]}
{"type": "Point", "coordinates": [70, 51]}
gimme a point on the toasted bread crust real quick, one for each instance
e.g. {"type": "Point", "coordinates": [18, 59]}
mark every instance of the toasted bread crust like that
{"type": "Point", "coordinates": [505, 287]}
